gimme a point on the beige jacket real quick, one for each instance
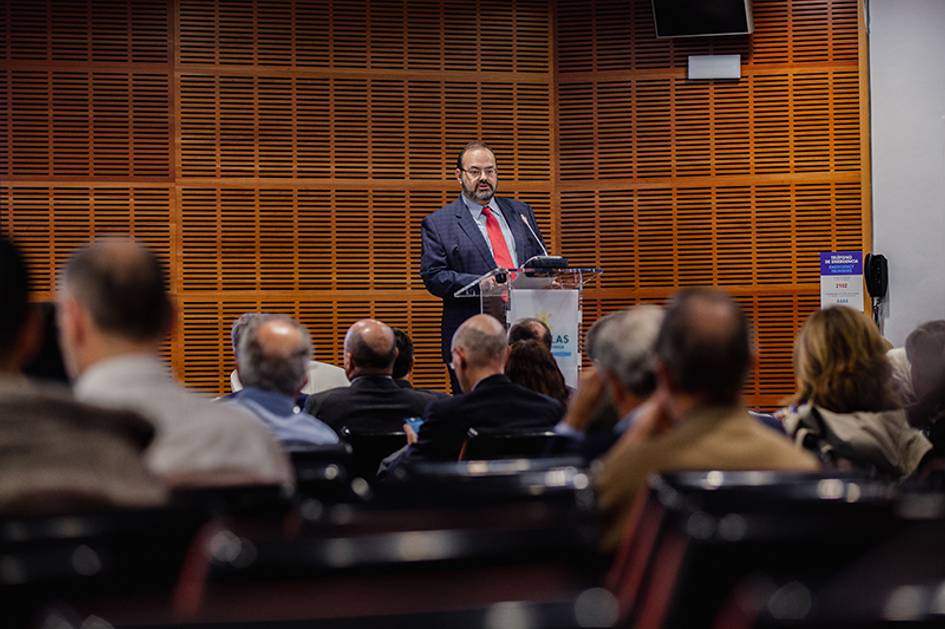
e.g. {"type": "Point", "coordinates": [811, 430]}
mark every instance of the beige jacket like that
{"type": "Point", "coordinates": [885, 439]}
{"type": "Point", "coordinates": [711, 439]}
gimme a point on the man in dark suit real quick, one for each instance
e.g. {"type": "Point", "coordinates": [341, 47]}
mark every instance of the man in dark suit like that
{"type": "Point", "coordinates": [490, 400]}
{"type": "Point", "coordinates": [373, 401]}
{"type": "Point", "coordinates": [471, 236]}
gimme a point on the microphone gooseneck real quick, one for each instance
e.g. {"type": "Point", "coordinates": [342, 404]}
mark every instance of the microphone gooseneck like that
{"type": "Point", "coordinates": [532, 231]}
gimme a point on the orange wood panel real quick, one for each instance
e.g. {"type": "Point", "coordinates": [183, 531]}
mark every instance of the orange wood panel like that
{"type": "Point", "coordinates": [280, 155]}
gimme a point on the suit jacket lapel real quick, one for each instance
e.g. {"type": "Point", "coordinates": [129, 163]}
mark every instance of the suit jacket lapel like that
{"type": "Point", "coordinates": [469, 227]}
{"type": "Point", "coordinates": [514, 221]}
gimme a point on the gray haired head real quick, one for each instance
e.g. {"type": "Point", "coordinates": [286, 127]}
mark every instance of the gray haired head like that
{"type": "Point", "coordinates": [274, 351]}
{"type": "Point", "coordinates": [236, 330]}
{"type": "Point", "coordinates": [625, 345]}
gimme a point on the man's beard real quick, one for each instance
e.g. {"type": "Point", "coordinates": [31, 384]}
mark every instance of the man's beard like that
{"type": "Point", "coordinates": [483, 195]}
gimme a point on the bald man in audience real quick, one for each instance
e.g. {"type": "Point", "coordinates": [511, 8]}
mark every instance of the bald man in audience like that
{"type": "Point", "coordinates": [489, 399]}
{"type": "Point", "coordinates": [114, 313]}
{"type": "Point", "coordinates": [373, 402]}
{"type": "Point", "coordinates": [272, 358]}
{"type": "Point", "coordinates": [320, 376]}
{"type": "Point", "coordinates": [695, 420]}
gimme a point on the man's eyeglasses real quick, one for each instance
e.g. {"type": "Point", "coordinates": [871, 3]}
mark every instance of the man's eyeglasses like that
{"type": "Point", "coordinates": [476, 172]}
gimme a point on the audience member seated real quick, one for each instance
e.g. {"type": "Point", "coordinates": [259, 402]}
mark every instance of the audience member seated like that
{"type": "Point", "coordinates": [59, 454]}
{"type": "Point", "coordinates": [695, 420]}
{"type": "Point", "coordinates": [623, 372]}
{"type": "Point", "coordinates": [373, 402]}
{"type": "Point", "coordinates": [273, 353]}
{"type": "Point", "coordinates": [845, 409]}
{"type": "Point", "coordinates": [114, 312]}
{"type": "Point", "coordinates": [403, 364]}
{"type": "Point", "coordinates": [489, 398]}
{"type": "Point", "coordinates": [531, 365]}
{"type": "Point", "coordinates": [925, 347]}
{"type": "Point", "coordinates": [605, 416]}
{"type": "Point", "coordinates": [320, 376]}
{"type": "Point", "coordinates": [530, 329]}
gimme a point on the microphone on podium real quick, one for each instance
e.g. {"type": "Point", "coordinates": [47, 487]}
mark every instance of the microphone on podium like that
{"type": "Point", "coordinates": [544, 261]}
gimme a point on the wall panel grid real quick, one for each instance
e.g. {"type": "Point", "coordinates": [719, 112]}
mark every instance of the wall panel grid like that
{"type": "Point", "coordinates": [669, 127]}
{"type": "Point", "coordinates": [667, 183]}
{"type": "Point", "coordinates": [280, 154]}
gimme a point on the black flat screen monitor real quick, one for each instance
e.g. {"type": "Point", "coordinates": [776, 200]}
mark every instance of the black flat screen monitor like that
{"type": "Point", "coordinates": [701, 18]}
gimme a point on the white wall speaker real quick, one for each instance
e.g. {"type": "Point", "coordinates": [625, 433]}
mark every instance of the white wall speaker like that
{"type": "Point", "coordinates": [715, 67]}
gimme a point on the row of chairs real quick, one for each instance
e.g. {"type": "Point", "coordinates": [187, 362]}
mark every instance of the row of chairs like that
{"type": "Point", "coordinates": [759, 549]}
{"type": "Point", "coordinates": [369, 448]}
{"type": "Point", "coordinates": [473, 542]}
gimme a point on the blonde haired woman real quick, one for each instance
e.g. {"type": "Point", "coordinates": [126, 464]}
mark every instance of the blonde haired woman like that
{"type": "Point", "coordinates": [845, 409]}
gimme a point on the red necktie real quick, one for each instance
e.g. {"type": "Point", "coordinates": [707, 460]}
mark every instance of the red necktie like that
{"type": "Point", "coordinates": [500, 250]}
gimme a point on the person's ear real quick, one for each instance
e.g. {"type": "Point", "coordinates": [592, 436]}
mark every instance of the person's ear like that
{"type": "Point", "coordinates": [346, 361]}
{"type": "Point", "coordinates": [171, 318]}
{"type": "Point", "coordinates": [458, 360]}
{"type": "Point", "coordinates": [71, 321]}
{"type": "Point", "coordinates": [459, 175]}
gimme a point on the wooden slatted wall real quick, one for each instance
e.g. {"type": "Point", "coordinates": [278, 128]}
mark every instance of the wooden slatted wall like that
{"type": "Point", "coordinates": [279, 154]}
{"type": "Point", "coordinates": [666, 182]}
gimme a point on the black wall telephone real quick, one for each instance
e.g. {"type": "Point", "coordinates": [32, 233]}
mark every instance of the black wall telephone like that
{"type": "Point", "coordinates": [877, 282]}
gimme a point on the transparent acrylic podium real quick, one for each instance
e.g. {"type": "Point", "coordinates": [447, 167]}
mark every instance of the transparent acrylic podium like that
{"type": "Point", "coordinates": [550, 294]}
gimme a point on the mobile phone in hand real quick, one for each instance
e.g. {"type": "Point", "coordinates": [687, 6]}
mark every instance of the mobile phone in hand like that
{"type": "Point", "coordinates": [414, 423]}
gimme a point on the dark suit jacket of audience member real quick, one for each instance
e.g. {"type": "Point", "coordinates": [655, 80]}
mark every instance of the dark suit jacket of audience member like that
{"type": "Point", "coordinates": [406, 384]}
{"type": "Point", "coordinates": [371, 403]}
{"type": "Point", "coordinates": [496, 402]}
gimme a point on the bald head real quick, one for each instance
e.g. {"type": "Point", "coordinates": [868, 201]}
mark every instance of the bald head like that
{"type": "Point", "coordinates": [122, 285]}
{"type": "Point", "coordinates": [274, 351]}
{"type": "Point", "coordinates": [370, 348]}
{"type": "Point", "coordinates": [705, 345]}
{"type": "Point", "coordinates": [482, 340]}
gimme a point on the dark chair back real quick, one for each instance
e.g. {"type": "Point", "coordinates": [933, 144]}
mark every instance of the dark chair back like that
{"type": "Point", "coordinates": [466, 538]}
{"type": "Point", "coordinates": [369, 448]}
{"type": "Point", "coordinates": [62, 560]}
{"type": "Point", "coordinates": [499, 443]}
{"type": "Point", "coordinates": [323, 472]}
{"type": "Point", "coordinates": [698, 534]}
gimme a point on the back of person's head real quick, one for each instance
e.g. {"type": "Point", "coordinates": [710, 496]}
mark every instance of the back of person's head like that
{"type": "Point", "coordinates": [403, 365]}
{"type": "Point", "coordinates": [370, 347]}
{"type": "Point", "coordinates": [840, 362]}
{"type": "Point", "coordinates": [625, 347]}
{"type": "Point", "coordinates": [123, 286]}
{"type": "Point", "coordinates": [482, 340]}
{"type": "Point", "coordinates": [530, 329]}
{"type": "Point", "coordinates": [14, 291]}
{"type": "Point", "coordinates": [590, 339]}
{"type": "Point", "coordinates": [273, 354]}
{"type": "Point", "coordinates": [531, 365]}
{"type": "Point", "coordinates": [239, 326]}
{"type": "Point", "coordinates": [925, 347]}
{"type": "Point", "coordinates": [704, 346]}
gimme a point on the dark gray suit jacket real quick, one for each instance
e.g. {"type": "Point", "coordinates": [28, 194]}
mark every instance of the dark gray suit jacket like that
{"type": "Point", "coordinates": [454, 253]}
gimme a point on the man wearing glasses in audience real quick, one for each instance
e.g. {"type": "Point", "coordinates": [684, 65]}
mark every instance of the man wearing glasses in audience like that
{"type": "Point", "coordinates": [471, 236]}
